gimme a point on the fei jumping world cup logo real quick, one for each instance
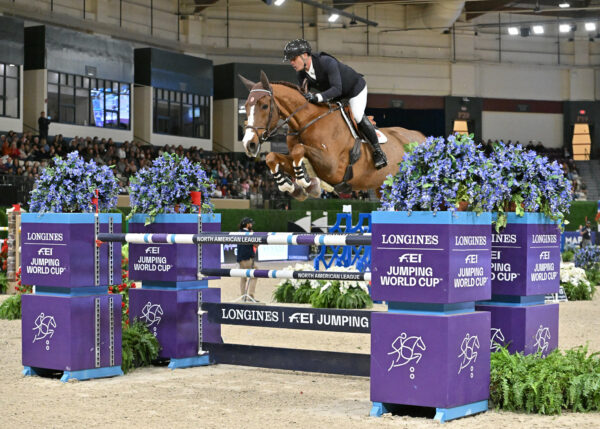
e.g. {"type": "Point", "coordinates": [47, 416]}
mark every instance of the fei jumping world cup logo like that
{"type": "Point", "coordinates": [151, 315]}
{"type": "Point", "coordinates": [405, 350]}
{"type": "Point", "coordinates": [468, 349]}
{"type": "Point", "coordinates": [44, 328]}
{"type": "Point", "coordinates": [541, 339]}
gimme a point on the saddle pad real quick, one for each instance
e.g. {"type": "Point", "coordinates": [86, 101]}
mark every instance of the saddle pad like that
{"type": "Point", "coordinates": [380, 136]}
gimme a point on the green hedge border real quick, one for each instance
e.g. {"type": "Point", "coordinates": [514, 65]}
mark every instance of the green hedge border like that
{"type": "Point", "coordinates": [277, 220]}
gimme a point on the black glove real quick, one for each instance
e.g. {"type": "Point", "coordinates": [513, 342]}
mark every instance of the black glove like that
{"type": "Point", "coordinates": [311, 98]}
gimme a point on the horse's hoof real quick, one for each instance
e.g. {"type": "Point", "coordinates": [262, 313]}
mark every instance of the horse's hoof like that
{"type": "Point", "coordinates": [299, 194]}
{"type": "Point", "coordinates": [314, 190]}
{"type": "Point", "coordinates": [286, 186]}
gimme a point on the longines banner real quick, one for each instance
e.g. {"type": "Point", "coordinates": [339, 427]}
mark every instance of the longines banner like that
{"type": "Point", "coordinates": [289, 317]}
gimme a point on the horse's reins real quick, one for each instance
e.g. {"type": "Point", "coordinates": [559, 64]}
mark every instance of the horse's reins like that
{"type": "Point", "coordinates": [267, 134]}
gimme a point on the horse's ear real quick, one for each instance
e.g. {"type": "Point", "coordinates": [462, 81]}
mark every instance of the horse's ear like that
{"type": "Point", "coordinates": [247, 83]}
{"type": "Point", "coordinates": [264, 80]}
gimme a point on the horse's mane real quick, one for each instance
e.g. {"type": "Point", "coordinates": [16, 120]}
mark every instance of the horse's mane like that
{"type": "Point", "coordinates": [289, 85]}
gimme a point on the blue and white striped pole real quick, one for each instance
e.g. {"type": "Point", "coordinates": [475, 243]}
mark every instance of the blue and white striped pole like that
{"type": "Point", "coordinates": [287, 274]}
{"type": "Point", "coordinates": [242, 238]}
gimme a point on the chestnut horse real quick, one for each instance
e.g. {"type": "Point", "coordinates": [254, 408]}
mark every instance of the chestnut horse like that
{"type": "Point", "coordinates": [319, 134]}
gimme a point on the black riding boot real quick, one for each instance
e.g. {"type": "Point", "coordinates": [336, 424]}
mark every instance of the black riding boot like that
{"type": "Point", "coordinates": [366, 127]}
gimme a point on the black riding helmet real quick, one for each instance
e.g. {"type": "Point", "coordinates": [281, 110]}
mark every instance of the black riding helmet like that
{"type": "Point", "coordinates": [296, 47]}
{"type": "Point", "coordinates": [245, 221]}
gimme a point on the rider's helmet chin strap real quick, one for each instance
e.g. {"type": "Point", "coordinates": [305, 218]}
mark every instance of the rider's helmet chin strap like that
{"type": "Point", "coordinates": [306, 66]}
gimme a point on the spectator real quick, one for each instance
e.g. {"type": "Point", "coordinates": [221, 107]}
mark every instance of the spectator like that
{"type": "Point", "coordinates": [43, 126]}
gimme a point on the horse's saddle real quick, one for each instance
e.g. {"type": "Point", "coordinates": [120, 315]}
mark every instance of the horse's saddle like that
{"type": "Point", "coordinates": [349, 119]}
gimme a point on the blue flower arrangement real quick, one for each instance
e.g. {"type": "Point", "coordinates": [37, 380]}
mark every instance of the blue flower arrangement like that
{"type": "Point", "coordinates": [444, 174]}
{"type": "Point", "coordinates": [529, 182]}
{"type": "Point", "coordinates": [588, 258]}
{"type": "Point", "coordinates": [165, 187]}
{"type": "Point", "coordinates": [69, 185]}
{"type": "Point", "coordinates": [440, 174]}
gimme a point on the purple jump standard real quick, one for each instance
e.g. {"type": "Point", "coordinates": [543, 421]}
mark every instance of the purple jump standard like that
{"type": "Point", "coordinates": [431, 349]}
{"type": "Point", "coordinates": [71, 323]}
{"type": "Point", "coordinates": [172, 284]}
{"type": "Point", "coordinates": [525, 267]}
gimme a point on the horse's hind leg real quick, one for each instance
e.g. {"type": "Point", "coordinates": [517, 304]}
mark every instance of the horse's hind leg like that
{"type": "Point", "coordinates": [281, 168]}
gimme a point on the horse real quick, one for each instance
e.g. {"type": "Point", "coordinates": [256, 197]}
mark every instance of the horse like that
{"type": "Point", "coordinates": [320, 135]}
{"type": "Point", "coordinates": [404, 347]}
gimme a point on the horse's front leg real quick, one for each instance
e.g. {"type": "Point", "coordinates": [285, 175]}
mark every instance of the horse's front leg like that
{"type": "Point", "coordinates": [281, 168]}
{"type": "Point", "coordinates": [312, 185]}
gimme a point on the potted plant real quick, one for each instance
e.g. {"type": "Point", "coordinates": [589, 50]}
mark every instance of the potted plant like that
{"type": "Point", "coordinates": [431, 259]}
{"type": "Point", "coordinates": [161, 203]}
{"type": "Point", "coordinates": [444, 185]}
{"type": "Point", "coordinates": [533, 198]}
{"type": "Point", "coordinates": [71, 323]}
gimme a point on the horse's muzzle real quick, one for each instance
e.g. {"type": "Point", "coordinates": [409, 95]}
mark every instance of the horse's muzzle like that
{"type": "Point", "coordinates": [252, 149]}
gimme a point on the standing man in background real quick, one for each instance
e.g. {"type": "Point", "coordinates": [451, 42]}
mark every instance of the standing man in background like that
{"type": "Point", "coordinates": [586, 234]}
{"type": "Point", "coordinates": [43, 125]}
{"type": "Point", "coordinates": [245, 259]}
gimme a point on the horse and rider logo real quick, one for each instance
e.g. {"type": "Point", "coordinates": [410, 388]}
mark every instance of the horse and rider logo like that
{"type": "Point", "coordinates": [43, 326]}
{"type": "Point", "coordinates": [468, 351]}
{"type": "Point", "coordinates": [151, 314]}
{"type": "Point", "coordinates": [405, 349]}
{"type": "Point", "coordinates": [497, 339]}
{"type": "Point", "coordinates": [541, 339]}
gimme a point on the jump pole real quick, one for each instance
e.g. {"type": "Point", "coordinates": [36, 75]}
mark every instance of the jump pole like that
{"type": "Point", "coordinates": [241, 238]}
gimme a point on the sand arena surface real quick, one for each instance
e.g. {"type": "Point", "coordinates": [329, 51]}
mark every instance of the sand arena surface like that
{"type": "Point", "coordinates": [223, 396]}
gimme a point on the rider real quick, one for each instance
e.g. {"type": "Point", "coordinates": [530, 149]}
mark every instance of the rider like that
{"type": "Point", "coordinates": [335, 80]}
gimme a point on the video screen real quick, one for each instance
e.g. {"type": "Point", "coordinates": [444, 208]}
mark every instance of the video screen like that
{"type": "Point", "coordinates": [109, 108]}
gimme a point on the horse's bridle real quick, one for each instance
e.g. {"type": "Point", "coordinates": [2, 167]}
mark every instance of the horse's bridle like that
{"type": "Point", "coordinates": [268, 133]}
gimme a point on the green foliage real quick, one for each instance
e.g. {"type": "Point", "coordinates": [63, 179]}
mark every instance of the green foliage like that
{"type": "Point", "coordinates": [284, 292]}
{"type": "Point", "coordinates": [579, 292]}
{"type": "Point", "coordinates": [354, 298]}
{"type": "Point", "coordinates": [569, 380]}
{"type": "Point", "coordinates": [3, 282]}
{"type": "Point", "coordinates": [10, 309]}
{"type": "Point", "coordinates": [140, 347]}
{"type": "Point", "coordinates": [303, 293]}
{"type": "Point", "coordinates": [323, 294]}
{"type": "Point", "coordinates": [325, 297]}
{"type": "Point", "coordinates": [568, 255]}
{"type": "Point", "coordinates": [593, 276]}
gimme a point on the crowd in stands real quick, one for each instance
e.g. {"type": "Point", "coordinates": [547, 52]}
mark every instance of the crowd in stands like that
{"type": "Point", "coordinates": [235, 175]}
{"type": "Point", "coordinates": [562, 157]}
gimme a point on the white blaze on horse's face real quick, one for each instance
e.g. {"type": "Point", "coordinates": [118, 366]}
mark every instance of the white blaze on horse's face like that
{"type": "Point", "coordinates": [250, 134]}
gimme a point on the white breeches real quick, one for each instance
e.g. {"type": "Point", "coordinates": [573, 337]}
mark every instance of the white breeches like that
{"type": "Point", "coordinates": [358, 104]}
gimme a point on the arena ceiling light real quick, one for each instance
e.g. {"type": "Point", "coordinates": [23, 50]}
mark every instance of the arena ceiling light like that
{"type": "Point", "coordinates": [564, 5]}
{"type": "Point", "coordinates": [590, 26]}
{"type": "Point", "coordinates": [513, 31]}
{"type": "Point", "coordinates": [538, 29]}
{"type": "Point", "coordinates": [339, 12]}
{"type": "Point", "coordinates": [564, 28]}
{"type": "Point", "coordinates": [333, 17]}
{"type": "Point", "coordinates": [278, 2]}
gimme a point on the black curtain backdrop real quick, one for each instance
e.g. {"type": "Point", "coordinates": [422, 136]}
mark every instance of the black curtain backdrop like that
{"type": "Point", "coordinates": [429, 122]}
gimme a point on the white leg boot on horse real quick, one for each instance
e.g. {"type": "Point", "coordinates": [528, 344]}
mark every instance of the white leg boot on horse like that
{"type": "Point", "coordinates": [279, 165]}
